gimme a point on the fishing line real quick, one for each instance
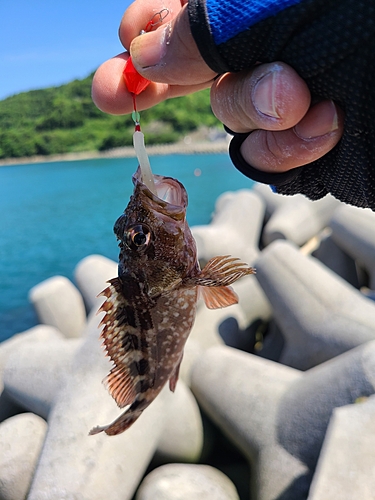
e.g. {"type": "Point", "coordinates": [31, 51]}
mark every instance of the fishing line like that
{"type": "Point", "coordinates": [135, 83]}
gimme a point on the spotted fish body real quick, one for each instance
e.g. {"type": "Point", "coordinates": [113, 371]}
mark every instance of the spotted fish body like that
{"type": "Point", "coordinates": [150, 307]}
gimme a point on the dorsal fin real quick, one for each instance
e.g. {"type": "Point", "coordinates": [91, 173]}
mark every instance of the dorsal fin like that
{"type": "Point", "coordinates": [118, 340]}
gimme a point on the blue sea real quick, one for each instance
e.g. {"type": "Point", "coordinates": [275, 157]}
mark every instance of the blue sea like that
{"type": "Point", "coordinates": [55, 214]}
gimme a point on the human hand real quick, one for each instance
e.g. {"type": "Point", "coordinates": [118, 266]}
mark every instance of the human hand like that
{"type": "Point", "coordinates": [270, 99]}
{"type": "Point", "coordinates": [109, 91]}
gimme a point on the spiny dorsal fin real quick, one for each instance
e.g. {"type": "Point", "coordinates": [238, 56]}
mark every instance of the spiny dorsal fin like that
{"type": "Point", "coordinates": [118, 382]}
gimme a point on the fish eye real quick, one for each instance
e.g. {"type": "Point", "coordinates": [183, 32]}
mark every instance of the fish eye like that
{"type": "Point", "coordinates": [138, 237]}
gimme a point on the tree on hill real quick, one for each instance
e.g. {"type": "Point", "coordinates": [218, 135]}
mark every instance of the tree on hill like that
{"type": "Point", "coordinates": [64, 119]}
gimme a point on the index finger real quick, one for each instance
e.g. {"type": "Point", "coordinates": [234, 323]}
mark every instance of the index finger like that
{"type": "Point", "coordinates": [111, 95]}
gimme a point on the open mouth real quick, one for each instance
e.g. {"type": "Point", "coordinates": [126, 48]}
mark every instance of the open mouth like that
{"type": "Point", "coordinates": [169, 190]}
{"type": "Point", "coordinates": [166, 191]}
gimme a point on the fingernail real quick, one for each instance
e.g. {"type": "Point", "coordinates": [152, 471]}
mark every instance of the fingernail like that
{"type": "Point", "coordinates": [320, 120]}
{"type": "Point", "coordinates": [264, 94]}
{"type": "Point", "coordinates": [149, 49]}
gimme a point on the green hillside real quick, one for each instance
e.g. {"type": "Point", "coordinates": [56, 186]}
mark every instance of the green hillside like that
{"type": "Point", "coordinates": [64, 119]}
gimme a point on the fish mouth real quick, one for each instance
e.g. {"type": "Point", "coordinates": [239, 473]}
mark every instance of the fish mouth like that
{"type": "Point", "coordinates": [168, 190]}
{"type": "Point", "coordinates": [170, 197]}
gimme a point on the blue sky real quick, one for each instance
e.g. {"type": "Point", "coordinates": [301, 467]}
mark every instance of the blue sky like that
{"type": "Point", "coordinates": [48, 43]}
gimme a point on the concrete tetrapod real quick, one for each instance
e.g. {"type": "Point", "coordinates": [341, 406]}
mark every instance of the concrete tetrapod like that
{"type": "Point", "coordinates": [186, 481]}
{"type": "Point", "coordinates": [35, 373]}
{"type": "Point", "coordinates": [235, 227]}
{"type": "Point", "coordinates": [346, 467]}
{"type": "Point", "coordinates": [336, 259]}
{"type": "Point", "coordinates": [295, 218]}
{"type": "Point", "coordinates": [234, 325]}
{"type": "Point", "coordinates": [21, 439]}
{"type": "Point", "coordinates": [278, 415]}
{"type": "Point", "coordinates": [74, 464]}
{"type": "Point", "coordinates": [319, 313]}
{"type": "Point", "coordinates": [40, 333]}
{"type": "Point", "coordinates": [353, 229]}
{"type": "Point", "coordinates": [182, 437]}
{"type": "Point", "coordinates": [58, 303]}
{"type": "Point", "coordinates": [91, 275]}
{"type": "Point", "coordinates": [37, 334]}
{"type": "Point", "coordinates": [272, 200]}
{"type": "Point", "coordinates": [234, 230]}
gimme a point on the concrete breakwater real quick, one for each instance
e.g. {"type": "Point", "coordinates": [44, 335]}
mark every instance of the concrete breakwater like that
{"type": "Point", "coordinates": [287, 375]}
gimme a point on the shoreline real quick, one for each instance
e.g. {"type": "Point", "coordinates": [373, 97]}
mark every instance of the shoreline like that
{"type": "Point", "coordinates": [204, 147]}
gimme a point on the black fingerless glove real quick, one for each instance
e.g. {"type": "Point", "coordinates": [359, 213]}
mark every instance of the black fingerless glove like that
{"type": "Point", "coordinates": [331, 44]}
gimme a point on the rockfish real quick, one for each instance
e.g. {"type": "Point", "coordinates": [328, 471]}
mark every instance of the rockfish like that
{"type": "Point", "coordinates": [150, 307]}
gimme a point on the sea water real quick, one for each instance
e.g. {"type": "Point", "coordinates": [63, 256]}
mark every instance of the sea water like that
{"type": "Point", "coordinates": [52, 215]}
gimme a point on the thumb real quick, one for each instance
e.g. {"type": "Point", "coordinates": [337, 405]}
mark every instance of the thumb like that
{"type": "Point", "coordinates": [170, 54]}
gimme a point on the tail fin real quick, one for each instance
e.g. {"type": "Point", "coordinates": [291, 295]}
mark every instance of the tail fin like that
{"type": "Point", "coordinates": [123, 422]}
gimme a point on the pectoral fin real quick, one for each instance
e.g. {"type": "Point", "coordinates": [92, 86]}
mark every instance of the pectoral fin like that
{"type": "Point", "coordinates": [219, 296]}
{"type": "Point", "coordinates": [222, 271]}
{"type": "Point", "coordinates": [214, 279]}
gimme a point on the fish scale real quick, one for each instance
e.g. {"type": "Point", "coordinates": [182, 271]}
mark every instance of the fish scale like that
{"type": "Point", "coordinates": [150, 308]}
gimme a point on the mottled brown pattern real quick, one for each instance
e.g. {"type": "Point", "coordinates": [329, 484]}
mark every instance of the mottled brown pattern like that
{"type": "Point", "coordinates": [150, 307]}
